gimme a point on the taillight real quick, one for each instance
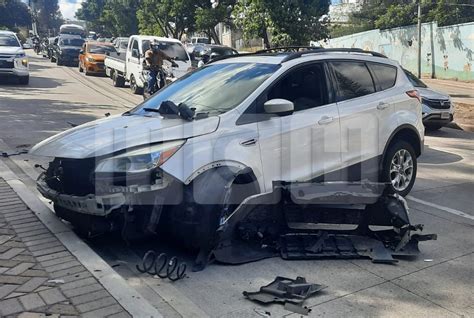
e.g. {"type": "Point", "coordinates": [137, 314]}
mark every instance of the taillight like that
{"type": "Point", "coordinates": [414, 94]}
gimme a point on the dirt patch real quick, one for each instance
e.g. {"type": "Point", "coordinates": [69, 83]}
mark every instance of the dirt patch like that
{"type": "Point", "coordinates": [464, 116]}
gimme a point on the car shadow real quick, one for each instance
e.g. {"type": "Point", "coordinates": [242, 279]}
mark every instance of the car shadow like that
{"type": "Point", "coordinates": [438, 157]}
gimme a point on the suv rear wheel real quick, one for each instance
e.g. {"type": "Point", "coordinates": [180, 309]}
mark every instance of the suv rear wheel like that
{"type": "Point", "coordinates": [399, 167]}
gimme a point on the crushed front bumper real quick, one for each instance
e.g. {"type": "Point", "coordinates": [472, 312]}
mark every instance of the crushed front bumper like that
{"type": "Point", "coordinates": [99, 204]}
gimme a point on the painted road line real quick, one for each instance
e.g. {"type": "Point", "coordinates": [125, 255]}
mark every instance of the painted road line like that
{"type": "Point", "coordinates": [442, 208]}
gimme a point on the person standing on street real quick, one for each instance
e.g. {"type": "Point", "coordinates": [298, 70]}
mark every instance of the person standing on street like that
{"type": "Point", "coordinates": [154, 58]}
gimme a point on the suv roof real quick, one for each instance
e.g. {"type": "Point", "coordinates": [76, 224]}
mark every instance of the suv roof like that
{"type": "Point", "coordinates": [280, 55]}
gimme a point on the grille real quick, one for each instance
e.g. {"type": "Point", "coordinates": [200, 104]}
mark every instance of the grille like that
{"type": "Point", "coordinates": [437, 103]}
{"type": "Point", "coordinates": [6, 64]}
{"type": "Point", "coordinates": [71, 176]}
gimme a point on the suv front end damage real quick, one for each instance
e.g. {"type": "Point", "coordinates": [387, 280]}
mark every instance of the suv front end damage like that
{"type": "Point", "coordinates": [107, 194]}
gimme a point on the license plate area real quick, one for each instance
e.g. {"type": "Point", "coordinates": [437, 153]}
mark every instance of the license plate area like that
{"type": "Point", "coordinates": [445, 115]}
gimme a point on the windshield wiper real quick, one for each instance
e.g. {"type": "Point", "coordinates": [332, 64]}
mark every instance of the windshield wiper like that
{"type": "Point", "coordinates": [152, 110]}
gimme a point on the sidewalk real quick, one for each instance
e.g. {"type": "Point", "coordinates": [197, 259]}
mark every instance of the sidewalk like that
{"type": "Point", "coordinates": [38, 274]}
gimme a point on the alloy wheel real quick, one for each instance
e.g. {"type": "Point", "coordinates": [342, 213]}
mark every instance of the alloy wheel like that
{"type": "Point", "coordinates": [401, 170]}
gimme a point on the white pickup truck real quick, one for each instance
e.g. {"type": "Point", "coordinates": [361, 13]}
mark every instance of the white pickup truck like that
{"type": "Point", "coordinates": [127, 67]}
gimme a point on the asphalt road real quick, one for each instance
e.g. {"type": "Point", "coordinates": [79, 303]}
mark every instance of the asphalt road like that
{"type": "Point", "coordinates": [436, 284]}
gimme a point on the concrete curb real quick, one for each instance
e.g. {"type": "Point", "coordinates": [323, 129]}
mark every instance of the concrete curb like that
{"type": "Point", "coordinates": [125, 295]}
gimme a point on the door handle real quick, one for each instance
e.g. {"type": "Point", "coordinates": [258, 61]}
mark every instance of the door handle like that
{"type": "Point", "coordinates": [382, 106]}
{"type": "Point", "coordinates": [249, 142]}
{"type": "Point", "coordinates": [325, 120]}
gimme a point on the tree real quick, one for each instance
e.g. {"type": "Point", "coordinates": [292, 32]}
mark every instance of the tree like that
{"type": "Point", "coordinates": [291, 22]}
{"type": "Point", "coordinates": [251, 17]}
{"type": "Point", "coordinates": [166, 17]}
{"type": "Point", "coordinates": [207, 16]}
{"type": "Point", "coordinates": [120, 17]}
{"type": "Point", "coordinates": [14, 14]}
{"type": "Point", "coordinates": [91, 11]}
{"type": "Point", "coordinates": [48, 15]}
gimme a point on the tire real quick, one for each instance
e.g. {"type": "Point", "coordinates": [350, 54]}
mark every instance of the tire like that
{"type": "Point", "coordinates": [80, 68]}
{"type": "Point", "coordinates": [117, 80]}
{"type": "Point", "coordinates": [399, 168]}
{"type": "Point", "coordinates": [59, 62]}
{"type": "Point", "coordinates": [53, 59]}
{"type": "Point", "coordinates": [24, 80]}
{"type": "Point", "coordinates": [134, 87]}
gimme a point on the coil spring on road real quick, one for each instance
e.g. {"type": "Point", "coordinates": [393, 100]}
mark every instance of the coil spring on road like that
{"type": "Point", "coordinates": [161, 266]}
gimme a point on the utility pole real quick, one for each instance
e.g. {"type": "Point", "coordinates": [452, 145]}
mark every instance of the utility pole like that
{"type": "Point", "coordinates": [419, 38]}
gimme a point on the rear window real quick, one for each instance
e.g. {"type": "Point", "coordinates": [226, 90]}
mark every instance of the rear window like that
{"type": "Point", "coordinates": [353, 80]}
{"type": "Point", "coordinates": [172, 49]}
{"type": "Point", "coordinates": [71, 42]}
{"type": "Point", "coordinates": [100, 49]}
{"type": "Point", "coordinates": [385, 75]}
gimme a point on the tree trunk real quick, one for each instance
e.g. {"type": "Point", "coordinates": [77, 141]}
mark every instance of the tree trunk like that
{"type": "Point", "coordinates": [214, 36]}
{"type": "Point", "coordinates": [266, 40]}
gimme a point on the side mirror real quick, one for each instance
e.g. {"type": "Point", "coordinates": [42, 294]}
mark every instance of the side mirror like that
{"type": "Point", "coordinates": [81, 52]}
{"type": "Point", "coordinates": [279, 106]}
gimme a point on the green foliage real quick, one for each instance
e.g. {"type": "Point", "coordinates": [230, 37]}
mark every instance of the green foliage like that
{"type": "Point", "coordinates": [14, 14]}
{"type": "Point", "coordinates": [291, 22]}
{"type": "Point", "coordinates": [48, 16]}
{"type": "Point", "coordinates": [386, 14]}
{"type": "Point", "coordinates": [162, 17]}
{"type": "Point", "coordinates": [252, 18]}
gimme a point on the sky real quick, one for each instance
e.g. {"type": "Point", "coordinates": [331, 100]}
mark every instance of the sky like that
{"type": "Point", "coordinates": [69, 7]}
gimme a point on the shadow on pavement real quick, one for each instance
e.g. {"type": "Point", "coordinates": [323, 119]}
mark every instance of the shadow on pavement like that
{"type": "Point", "coordinates": [434, 156]}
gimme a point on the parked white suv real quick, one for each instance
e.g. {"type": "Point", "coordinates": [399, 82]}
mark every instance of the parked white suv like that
{"type": "Point", "coordinates": [13, 61]}
{"type": "Point", "coordinates": [190, 154]}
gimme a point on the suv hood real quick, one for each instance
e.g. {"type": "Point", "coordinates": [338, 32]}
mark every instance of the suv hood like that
{"type": "Point", "coordinates": [108, 135]}
{"type": "Point", "coordinates": [11, 50]}
{"type": "Point", "coordinates": [431, 94]}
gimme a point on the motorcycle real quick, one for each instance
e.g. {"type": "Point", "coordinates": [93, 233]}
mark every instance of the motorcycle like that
{"type": "Point", "coordinates": [164, 77]}
{"type": "Point", "coordinates": [37, 46]}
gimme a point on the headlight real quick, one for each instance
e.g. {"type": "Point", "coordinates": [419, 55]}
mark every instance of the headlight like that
{"type": "Point", "coordinates": [20, 55]}
{"type": "Point", "coordinates": [90, 59]}
{"type": "Point", "coordinates": [140, 160]}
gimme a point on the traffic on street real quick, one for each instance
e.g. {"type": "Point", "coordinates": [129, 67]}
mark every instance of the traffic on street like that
{"type": "Point", "coordinates": [230, 158]}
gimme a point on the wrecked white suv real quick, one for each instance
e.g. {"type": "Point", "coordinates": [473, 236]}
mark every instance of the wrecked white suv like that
{"type": "Point", "coordinates": [184, 159]}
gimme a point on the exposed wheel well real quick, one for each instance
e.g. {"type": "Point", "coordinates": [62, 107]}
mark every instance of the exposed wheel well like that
{"type": "Point", "coordinates": [409, 135]}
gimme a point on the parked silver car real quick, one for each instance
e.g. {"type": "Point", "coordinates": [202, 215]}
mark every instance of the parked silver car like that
{"type": "Point", "coordinates": [438, 110]}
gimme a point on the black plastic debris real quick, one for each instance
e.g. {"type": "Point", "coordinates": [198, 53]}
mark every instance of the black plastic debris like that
{"type": "Point", "coordinates": [289, 292]}
{"type": "Point", "coordinates": [320, 220]}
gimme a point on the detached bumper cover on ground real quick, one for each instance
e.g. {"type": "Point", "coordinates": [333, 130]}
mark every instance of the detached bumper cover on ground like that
{"type": "Point", "coordinates": [313, 221]}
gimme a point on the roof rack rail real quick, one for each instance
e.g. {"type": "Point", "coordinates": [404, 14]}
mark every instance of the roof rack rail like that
{"type": "Point", "coordinates": [298, 51]}
{"type": "Point", "coordinates": [286, 49]}
{"type": "Point", "coordinates": [324, 50]}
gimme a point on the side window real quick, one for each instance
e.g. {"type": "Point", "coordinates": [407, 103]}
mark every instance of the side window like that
{"type": "Point", "coordinates": [353, 80]}
{"type": "Point", "coordinates": [304, 86]}
{"type": "Point", "coordinates": [135, 51]}
{"type": "Point", "coordinates": [384, 75]}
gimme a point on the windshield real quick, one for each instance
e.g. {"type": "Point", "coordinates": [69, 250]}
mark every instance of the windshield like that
{"type": "Point", "coordinates": [71, 42]}
{"type": "Point", "coordinates": [101, 49]}
{"type": "Point", "coordinates": [415, 81]}
{"type": "Point", "coordinates": [8, 40]}
{"type": "Point", "coordinates": [216, 88]}
{"type": "Point", "coordinates": [172, 49]}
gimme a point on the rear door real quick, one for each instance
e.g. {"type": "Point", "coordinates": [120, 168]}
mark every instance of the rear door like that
{"type": "Point", "coordinates": [305, 144]}
{"type": "Point", "coordinates": [358, 105]}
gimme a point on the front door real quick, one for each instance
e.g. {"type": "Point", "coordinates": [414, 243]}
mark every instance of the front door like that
{"type": "Point", "coordinates": [133, 60]}
{"type": "Point", "coordinates": [305, 144]}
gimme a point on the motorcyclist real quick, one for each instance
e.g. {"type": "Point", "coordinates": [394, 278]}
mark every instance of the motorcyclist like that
{"type": "Point", "coordinates": [154, 58]}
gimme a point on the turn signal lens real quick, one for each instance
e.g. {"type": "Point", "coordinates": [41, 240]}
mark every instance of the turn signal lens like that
{"type": "Point", "coordinates": [414, 94]}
